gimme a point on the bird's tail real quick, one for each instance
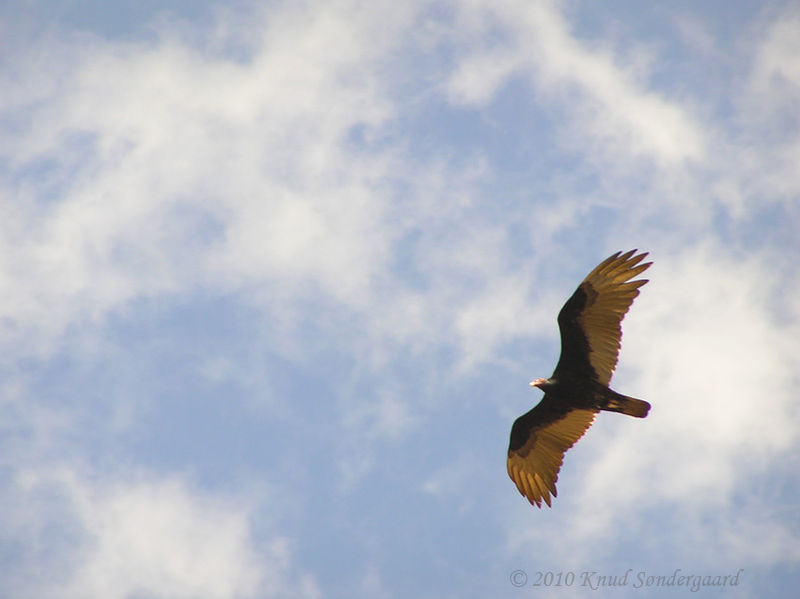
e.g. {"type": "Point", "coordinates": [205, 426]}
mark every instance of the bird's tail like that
{"type": "Point", "coordinates": [627, 405]}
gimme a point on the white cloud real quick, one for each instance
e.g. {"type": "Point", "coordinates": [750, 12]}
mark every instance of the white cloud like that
{"type": "Point", "coordinates": [756, 156]}
{"type": "Point", "coordinates": [196, 169]}
{"type": "Point", "coordinates": [610, 109]}
{"type": "Point", "coordinates": [158, 540]}
{"type": "Point", "coordinates": [776, 71]}
{"type": "Point", "coordinates": [771, 142]}
{"type": "Point", "coordinates": [158, 537]}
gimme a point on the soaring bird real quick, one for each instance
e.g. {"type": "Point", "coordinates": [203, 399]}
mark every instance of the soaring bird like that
{"type": "Point", "coordinates": [578, 388]}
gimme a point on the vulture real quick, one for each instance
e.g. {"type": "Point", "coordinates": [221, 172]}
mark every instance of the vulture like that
{"type": "Point", "coordinates": [578, 388]}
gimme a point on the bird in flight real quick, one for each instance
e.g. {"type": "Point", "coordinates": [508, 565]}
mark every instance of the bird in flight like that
{"type": "Point", "coordinates": [578, 388]}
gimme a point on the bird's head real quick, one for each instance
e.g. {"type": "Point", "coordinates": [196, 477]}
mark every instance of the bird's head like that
{"type": "Point", "coordinates": [541, 383]}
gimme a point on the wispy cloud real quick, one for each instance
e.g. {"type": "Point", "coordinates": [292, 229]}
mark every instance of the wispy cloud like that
{"type": "Point", "coordinates": [613, 109]}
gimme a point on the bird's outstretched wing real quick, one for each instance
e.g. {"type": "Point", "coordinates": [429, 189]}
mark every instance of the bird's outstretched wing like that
{"type": "Point", "coordinates": [590, 320]}
{"type": "Point", "coordinates": [538, 442]}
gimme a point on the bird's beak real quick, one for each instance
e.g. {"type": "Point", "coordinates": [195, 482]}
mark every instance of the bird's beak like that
{"type": "Point", "coordinates": [536, 382]}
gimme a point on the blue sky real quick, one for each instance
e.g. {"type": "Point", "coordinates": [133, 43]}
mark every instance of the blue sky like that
{"type": "Point", "coordinates": [275, 279]}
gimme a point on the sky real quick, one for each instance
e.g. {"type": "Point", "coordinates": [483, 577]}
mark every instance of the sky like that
{"type": "Point", "coordinates": [275, 277]}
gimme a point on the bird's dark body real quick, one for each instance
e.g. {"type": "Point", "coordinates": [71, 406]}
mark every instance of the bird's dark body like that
{"type": "Point", "coordinates": [562, 395]}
